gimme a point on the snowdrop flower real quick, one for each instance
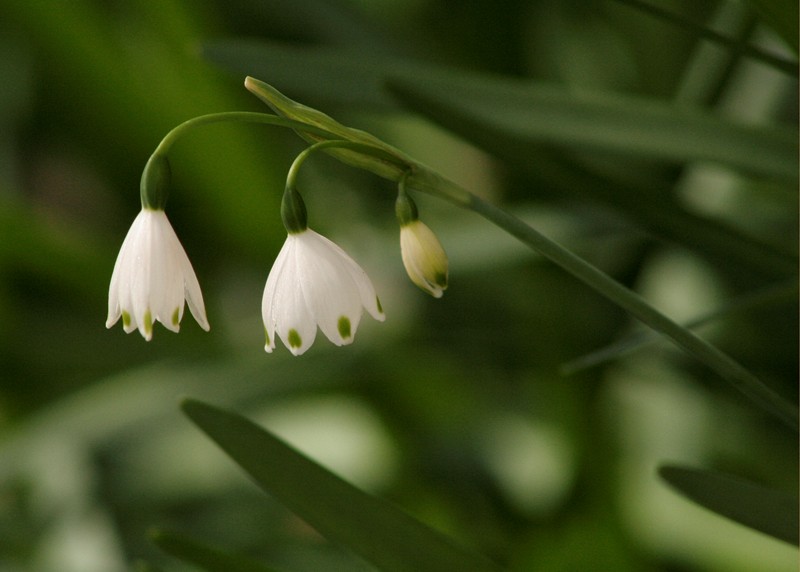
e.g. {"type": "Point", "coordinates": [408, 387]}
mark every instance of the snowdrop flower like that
{"type": "Point", "coordinates": [315, 283]}
{"type": "Point", "coordinates": [422, 253]}
{"type": "Point", "coordinates": [152, 277]}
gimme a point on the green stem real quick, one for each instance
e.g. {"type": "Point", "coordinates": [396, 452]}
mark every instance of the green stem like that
{"type": "Point", "coordinates": [365, 156]}
{"type": "Point", "coordinates": [154, 184]}
{"type": "Point", "coordinates": [724, 365]}
{"type": "Point", "coordinates": [236, 117]}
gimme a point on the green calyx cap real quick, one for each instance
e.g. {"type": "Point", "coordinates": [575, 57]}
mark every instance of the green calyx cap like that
{"type": "Point", "coordinates": [154, 188]}
{"type": "Point", "coordinates": [293, 212]}
{"type": "Point", "coordinates": [405, 208]}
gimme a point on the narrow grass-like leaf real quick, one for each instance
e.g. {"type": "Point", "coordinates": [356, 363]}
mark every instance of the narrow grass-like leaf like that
{"type": "Point", "coordinates": [635, 342]}
{"type": "Point", "coordinates": [526, 111]}
{"type": "Point", "coordinates": [530, 113]}
{"type": "Point", "coordinates": [332, 77]}
{"type": "Point", "coordinates": [764, 509]}
{"type": "Point", "coordinates": [206, 557]}
{"type": "Point", "coordinates": [677, 19]}
{"type": "Point", "coordinates": [370, 527]}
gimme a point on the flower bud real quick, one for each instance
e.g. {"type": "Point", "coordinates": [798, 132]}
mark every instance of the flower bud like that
{"type": "Point", "coordinates": [424, 257]}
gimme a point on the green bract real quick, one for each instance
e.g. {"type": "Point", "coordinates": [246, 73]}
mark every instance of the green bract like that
{"type": "Point", "coordinates": [385, 161]}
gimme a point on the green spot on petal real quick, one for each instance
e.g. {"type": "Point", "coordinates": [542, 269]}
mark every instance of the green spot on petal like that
{"type": "Point", "coordinates": [378, 302]}
{"type": "Point", "coordinates": [441, 280]}
{"type": "Point", "coordinates": [148, 323]}
{"type": "Point", "coordinates": [344, 327]}
{"type": "Point", "coordinates": [126, 319]}
{"type": "Point", "coordinates": [294, 339]}
{"type": "Point", "coordinates": [176, 317]}
{"type": "Point", "coordinates": [266, 335]}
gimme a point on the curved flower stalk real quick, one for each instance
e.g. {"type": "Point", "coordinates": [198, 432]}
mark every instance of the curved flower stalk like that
{"type": "Point", "coordinates": [315, 283]}
{"type": "Point", "coordinates": [153, 278]}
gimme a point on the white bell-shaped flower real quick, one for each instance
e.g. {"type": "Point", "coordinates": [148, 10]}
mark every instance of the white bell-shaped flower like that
{"type": "Point", "coordinates": [315, 283]}
{"type": "Point", "coordinates": [152, 278]}
{"type": "Point", "coordinates": [424, 258]}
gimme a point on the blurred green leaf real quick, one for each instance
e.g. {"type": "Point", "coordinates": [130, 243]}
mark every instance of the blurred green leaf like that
{"type": "Point", "coordinates": [60, 253]}
{"type": "Point", "coordinates": [781, 16]}
{"type": "Point", "coordinates": [767, 510]}
{"type": "Point", "coordinates": [373, 528]}
{"type": "Point", "coordinates": [531, 113]}
{"type": "Point", "coordinates": [708, 34]}
{"type": "Point", "coordinates": [634, 342]}
{"type": "Point", "coordinates": [319, 75]}
{"type": "Point", "coordinates": [526, 111]}
{"type": "Point", "coordinates": [207, 557]}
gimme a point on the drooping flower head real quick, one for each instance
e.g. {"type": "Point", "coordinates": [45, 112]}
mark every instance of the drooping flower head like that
{"type": "Point", "coordinates": [423, 256]}
{"type": "Point", "coordinates": [152, 276]}
{"type": "Point", "coordinates": [313, 282]}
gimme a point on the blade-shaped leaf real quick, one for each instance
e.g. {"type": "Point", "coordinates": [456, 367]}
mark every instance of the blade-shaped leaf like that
{"type": "Point", "coordinates": [371, 527]}
{"type": "Point", "coordinates": [709, 34]}
{"type": "Point", "coordinates": [206, 557]}
{"type": "Point", "coordinates": [767, 510]}
{"type": "Point", "coordinates": [526, 112]}
{"type": "Point", "coordinates": [634, 342]}
{"type": "Point", "coordinates": [313, 75]}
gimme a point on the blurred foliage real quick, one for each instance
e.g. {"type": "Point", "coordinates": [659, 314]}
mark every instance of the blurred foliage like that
{"type": "Point", "coordinates": [455, 410]}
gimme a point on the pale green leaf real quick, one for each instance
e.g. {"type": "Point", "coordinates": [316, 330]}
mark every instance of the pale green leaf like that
{"type": "Point", "coordinates": [369, 526]}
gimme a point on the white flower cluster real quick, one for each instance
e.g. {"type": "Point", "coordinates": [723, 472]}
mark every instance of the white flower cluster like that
{"type": "Point", "coordinates": [313, 283]}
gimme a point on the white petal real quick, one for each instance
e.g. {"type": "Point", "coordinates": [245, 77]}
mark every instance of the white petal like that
{"type": "Point", "coordinates": [314, 283]}
{"type": "Point", "coordinates": [194, 297]}
{"type": "Point", "coordinates": [294, 322]}
{"type": "Point", "coordinates": [329, 289]}
{"type": "Point", "coordinates": [268, 300]}
{"type": "Point", "coordinates": [152, 277]}
{"type": "Point", "coordinates": [366, 291]}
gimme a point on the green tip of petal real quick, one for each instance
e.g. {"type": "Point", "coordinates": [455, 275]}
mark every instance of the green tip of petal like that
{"type": "Point", "coordinates": [176, 319]}
{"type": "Point", "coordinates": [126, 319]}
{"type": "Point", "coordinates": [148, 324]}
{"type": "Point", "coordinates": [378, 302]}
{"type": "Point", "coordinates": [294, 339]}
{"type": "Point", "coordinates": [441, 280]}
{"type": "Point", "coordinates": [266, 336]}
{"type": "Point", "coordinates": [344, 327]}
